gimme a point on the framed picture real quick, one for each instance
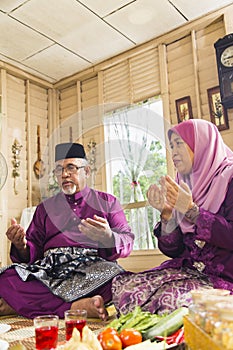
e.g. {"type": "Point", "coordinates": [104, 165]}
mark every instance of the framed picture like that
{"type": "Point", "coordinates": [184, 109]}
{"type": "Point", "coordinates": [218, 114]}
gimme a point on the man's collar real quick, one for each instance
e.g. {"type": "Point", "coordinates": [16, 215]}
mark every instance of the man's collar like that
{"type": "Point", "coordinates": [81, 194]}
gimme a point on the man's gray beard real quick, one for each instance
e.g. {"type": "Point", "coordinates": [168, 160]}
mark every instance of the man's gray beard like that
{"type": "Point", "coordinates": [70, 190]}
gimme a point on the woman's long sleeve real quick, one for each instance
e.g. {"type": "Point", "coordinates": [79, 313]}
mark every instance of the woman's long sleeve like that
{"type": "Point", "coordinates": [217, 229]}
{"type": "Point", "coordinates": [170, 244]}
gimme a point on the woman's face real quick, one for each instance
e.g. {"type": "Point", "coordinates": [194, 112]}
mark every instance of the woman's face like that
{"type": "Point", "coordinates": [182, 155]}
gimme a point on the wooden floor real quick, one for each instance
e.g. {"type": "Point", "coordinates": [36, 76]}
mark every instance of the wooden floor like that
{"type": "Point", "coordinates": [141, 260]}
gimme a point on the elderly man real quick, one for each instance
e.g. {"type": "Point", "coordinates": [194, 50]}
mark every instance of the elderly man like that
{"type": "Point", "coordinates": [67, 257]}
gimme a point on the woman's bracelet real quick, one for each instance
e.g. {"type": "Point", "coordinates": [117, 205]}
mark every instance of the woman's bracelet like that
{"type": "Point", "coordinates": [192, 214]}
{"type": "Point", "coordinates": [167, 225]}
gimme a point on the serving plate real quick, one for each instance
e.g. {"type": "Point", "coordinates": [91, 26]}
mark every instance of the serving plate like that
{"type": "Point", "coordinates": [4, 345]}
{"type": "Point", "coordinates": [4, 328]}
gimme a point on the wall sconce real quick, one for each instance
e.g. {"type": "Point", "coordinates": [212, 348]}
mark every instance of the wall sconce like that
{"type": "Point", "coordinates": [16, 149]}
{"type": "Point", "coordinates": [92, 160]}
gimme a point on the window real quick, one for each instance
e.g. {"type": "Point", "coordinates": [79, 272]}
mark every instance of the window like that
{"type": "Point", "coordinates": [136, 158]}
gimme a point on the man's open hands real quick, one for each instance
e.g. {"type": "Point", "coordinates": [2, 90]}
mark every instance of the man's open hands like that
{"type": "Point", "coordinates": [98, 229]}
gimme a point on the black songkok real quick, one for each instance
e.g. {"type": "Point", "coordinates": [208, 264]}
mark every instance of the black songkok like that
{"type": "Point", "coordinates": [69, 150]}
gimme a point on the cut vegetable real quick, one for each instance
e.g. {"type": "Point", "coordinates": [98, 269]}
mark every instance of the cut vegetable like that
{"type": "Point", "coordinates": [137, 319]}
{"type": "Point", "coordinates": [167, 325]}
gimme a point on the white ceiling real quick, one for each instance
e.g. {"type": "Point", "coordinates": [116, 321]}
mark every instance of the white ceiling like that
{"type": "Point", "coordinates": [57, 38]}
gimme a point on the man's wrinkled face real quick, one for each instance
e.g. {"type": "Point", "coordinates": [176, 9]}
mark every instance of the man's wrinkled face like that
{"type": "Point", "coordinates": [72, 174]}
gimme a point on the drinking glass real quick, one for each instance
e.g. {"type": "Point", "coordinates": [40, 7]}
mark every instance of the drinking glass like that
{"type": "Point", "coordinates": [75, 319]}
{"type": "Point", "coordinates": [46, 331]}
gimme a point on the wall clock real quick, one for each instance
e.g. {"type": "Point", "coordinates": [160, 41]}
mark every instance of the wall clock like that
{"type": "Point", "coordinates": [224, 57]}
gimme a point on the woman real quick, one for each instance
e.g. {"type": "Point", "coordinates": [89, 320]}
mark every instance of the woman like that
{"type": "Point", "coordinates": [196, 227]}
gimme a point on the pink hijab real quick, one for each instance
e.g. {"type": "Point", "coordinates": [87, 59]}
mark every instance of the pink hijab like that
{"type": "Point", "coordinates": [212, 165]}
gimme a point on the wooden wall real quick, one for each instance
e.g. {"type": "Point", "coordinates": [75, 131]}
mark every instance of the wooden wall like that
{"type": "Point", "coordinates": [174, 65]}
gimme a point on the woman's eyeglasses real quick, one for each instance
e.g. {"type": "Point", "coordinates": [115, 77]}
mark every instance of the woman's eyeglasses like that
{"type": "Point", "coordinates": [70, 168]}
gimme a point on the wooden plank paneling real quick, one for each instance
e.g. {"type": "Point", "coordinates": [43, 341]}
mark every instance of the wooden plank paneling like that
{"type": "Point", "coordinates": [92, 125]}
{"type": "Point", "coordinates": [68, 102]}
{"type": "Point", "coordinates": [181, 77]}
{"type": "Point", "coordinates": [68, 108]}
{"type": "Point", "coordinates": [16, 120]}
{"type": "Point", "coordinates": [38, 105]}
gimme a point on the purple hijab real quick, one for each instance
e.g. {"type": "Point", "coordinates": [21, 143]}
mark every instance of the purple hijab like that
{"type": "Point", "coordinates": [212, 166]}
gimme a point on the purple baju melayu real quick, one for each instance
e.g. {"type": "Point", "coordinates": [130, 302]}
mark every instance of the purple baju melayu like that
{"type": "Point", "coordinates": [201, 252]}
{"type": "Point", "coordinates": [64, 264]}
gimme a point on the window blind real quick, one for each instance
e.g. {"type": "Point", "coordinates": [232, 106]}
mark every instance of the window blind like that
{"type": "Point", "coordinates": [132, 80]}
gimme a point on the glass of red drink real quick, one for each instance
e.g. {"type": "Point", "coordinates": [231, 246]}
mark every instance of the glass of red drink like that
{"type": "Point", "coordinates": [75, 319]}
{"type": "Point", "coordinates": [46, 331]}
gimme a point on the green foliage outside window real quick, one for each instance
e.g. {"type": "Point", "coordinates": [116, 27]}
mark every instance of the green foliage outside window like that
{"type": "Point", "coordinates": [154, 168]}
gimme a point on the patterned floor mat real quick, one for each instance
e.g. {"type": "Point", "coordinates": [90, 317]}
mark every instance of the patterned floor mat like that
{"type": "Point", "coordinates": [22, 330]}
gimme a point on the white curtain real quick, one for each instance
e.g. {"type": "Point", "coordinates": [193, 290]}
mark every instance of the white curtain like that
{"type": "Point", "coordinates": [132, 136]}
